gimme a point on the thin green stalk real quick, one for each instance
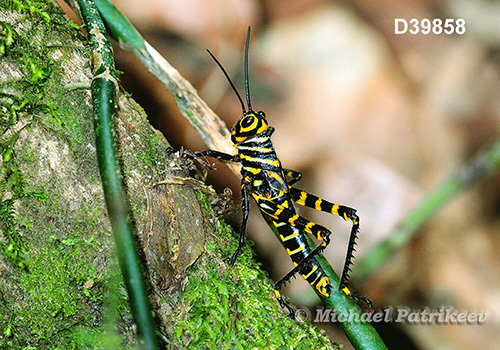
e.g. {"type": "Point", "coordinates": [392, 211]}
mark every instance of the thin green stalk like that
{"type": "Point", "coordinates": [103, 89]}
{"type": "Point", "coordinates": [118, 25]}
{"type": "Point", "coordinates": [484, 164]}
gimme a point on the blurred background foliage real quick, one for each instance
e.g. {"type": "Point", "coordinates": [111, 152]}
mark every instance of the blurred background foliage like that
{"type": "Point", "coordinates": [372, 119]}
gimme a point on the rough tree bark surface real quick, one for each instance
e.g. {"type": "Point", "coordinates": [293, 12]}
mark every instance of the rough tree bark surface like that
{"type": "Point", "coordinates": [60, 286]}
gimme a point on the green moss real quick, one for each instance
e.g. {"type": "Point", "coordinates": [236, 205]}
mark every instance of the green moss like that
{"type": "Point", "coordinates": [58, 270]}
{"type": "Point", "coordinates": [149, 153]}
{"type": "Point", "coordinates": [38, 8]}
{"type": "Point", "coordinates": [57, 302]}
{"type": "Point", "coordinates": [55, 287]}
{"type": "Point", "coordinates": [57, 273]}
{"type": "Point", "coordinates": [234, 307]}
{"type": "Point", "coordinates": [31, 57]}
{"type": "Point", "coordinates": [15, 247]}
{"type": "Point", "coordinates": [37, 89]}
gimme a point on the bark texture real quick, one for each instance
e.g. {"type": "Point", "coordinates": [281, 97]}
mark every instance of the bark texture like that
{"type": "Point", "coordinates": [60, 286]}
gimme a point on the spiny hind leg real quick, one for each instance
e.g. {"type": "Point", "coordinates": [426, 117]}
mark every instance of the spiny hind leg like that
{"type": "Point", "coordinates": [348, 263]}
{"type": "Point", "coordinates": [311, 201]}
{"type": "Point", "coordinates": [347, 213]}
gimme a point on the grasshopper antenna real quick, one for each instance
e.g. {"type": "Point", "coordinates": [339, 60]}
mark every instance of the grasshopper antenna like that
{"type": "Point", "coordinates": [230, 82]}
{"type": "Point", "coordinates": [247, 89]}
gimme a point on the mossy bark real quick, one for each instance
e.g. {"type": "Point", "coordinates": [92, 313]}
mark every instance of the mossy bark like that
{"type": "Point", "coordinates": [59, 282]}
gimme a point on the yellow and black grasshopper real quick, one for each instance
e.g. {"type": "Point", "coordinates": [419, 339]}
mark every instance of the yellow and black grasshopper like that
{"type": "Point", "coordinates": [265, 180]}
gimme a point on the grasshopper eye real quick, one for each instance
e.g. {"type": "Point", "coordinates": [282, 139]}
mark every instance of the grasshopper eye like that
{"type": "Point", "coordinates": [248, 121]}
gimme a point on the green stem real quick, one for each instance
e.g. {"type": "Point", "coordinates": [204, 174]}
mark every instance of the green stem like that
{"type": "Point", "coordinates": [118, 25]}
{"type": "Point", "coordinates": [104, 99]}
{"type": "Point", "coordinates": [484, 164]}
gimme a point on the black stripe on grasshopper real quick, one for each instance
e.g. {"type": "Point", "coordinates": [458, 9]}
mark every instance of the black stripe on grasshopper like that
{"type": "Point", "coordinates": [265, 180]}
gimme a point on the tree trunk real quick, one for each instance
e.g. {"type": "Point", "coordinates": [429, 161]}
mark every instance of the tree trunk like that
{"type": "Point", "coordinates": [60, 286]}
